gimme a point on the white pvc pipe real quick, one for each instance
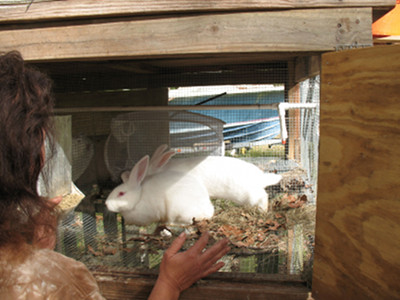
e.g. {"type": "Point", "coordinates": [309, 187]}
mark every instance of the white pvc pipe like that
{"type": "Point", "coordinates": [283, 107]}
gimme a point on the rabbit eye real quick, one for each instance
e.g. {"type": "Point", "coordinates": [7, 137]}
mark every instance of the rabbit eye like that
{"type": "Point", "coordinates": [120, 194]}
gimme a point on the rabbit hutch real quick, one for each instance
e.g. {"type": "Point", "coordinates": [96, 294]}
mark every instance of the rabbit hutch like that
{"type": "Point", "coordinates": [296, 88]}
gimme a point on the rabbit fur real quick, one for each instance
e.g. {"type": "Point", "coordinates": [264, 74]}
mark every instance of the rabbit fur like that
{"type": "Point", "coordinates": [168, 197]}
{"type": "Point", "coordinates": [224, 177]}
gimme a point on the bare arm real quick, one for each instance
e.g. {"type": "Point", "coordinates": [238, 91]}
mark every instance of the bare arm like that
{"type": "Point", "coordinates": [179, 270]}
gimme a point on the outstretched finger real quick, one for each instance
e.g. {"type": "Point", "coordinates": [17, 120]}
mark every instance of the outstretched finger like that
{"type": "Point", "coordinates": [214, 268]}
{"type": "Point", "coordinates": [216, 251]}
{"type": "Point", "coordinates": [210, 258]}
{"type": "Point", "coordinates": [176, 245]}
{"type": "Point", "coordinates": [212, 261]}
{"type": "Point", "coordinates": [201, 243]}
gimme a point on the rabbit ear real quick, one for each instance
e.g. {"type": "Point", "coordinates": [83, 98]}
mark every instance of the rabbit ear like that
{"type": "Point", "coordinates": [125, 176]}
{"type": "Point", "coordinates": [159, 151]}
{"type": "Point", "coordinates": [159, 159]}
{"type": "Point", "coordinates": [138, 172]}
{"type": "Point", "coordinates": [164, 159]}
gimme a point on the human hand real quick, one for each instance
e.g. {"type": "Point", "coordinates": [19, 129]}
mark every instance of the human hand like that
{"type": "Point", "coordinates": [43, 237]}
{"type": "Point", "coordinates": [179, 270]}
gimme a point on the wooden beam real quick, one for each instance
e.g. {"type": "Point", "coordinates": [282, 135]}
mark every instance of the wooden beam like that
{"type": "Point", "coordinates": [223, 286]}
{"type": "Point", "coordinates": [275, 31]}
{"type": "Point", "coordinates": [294, 138]}
{"type": "Point", "coordinates": [29, 11]}
{"type": "Point", "coordinates": [306, 67]}
{"type": "Point", "coordinates": [143, 97]}
{"type": "Point", "coordinates": [85, 79]}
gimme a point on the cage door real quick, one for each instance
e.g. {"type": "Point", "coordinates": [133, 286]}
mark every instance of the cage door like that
{"type": "Point", "coordinates": [357, 247]}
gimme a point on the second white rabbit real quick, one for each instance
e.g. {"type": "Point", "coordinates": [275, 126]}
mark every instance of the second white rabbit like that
{"type": "Point", "coordinates": [224, 177]}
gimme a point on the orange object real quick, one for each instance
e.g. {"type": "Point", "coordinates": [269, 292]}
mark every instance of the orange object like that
{"type": "Point", "coordinates": [389, 24]}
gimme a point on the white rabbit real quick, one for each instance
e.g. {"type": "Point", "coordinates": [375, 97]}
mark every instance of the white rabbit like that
{"type": "Point", "coordinates": [224, 177]}
{"type": "Point", "coordinates": [168, 197]}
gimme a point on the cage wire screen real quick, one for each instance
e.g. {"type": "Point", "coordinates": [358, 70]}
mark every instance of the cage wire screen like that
{"type": "Point", "coordinates": [249, 128]}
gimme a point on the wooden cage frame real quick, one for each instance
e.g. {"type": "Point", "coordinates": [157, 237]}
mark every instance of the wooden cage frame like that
{"type": "Point", "coordinates": [118, 45]}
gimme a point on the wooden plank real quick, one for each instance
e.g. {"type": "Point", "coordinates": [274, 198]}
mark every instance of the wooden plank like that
{"type": "Point", "coordinates": [125, 285]}
{"type": "Point", "coordinates": [280, 31]}
{"type": "Point", "coordinates": [84, 78]}
{"type": "Point", "coordinates": [63, 134]}
{"type": "Point", "coordinates": [293, 123]}
{"type": "Point", "coordinates": [28, 10]}
{"type": "Point", "coordinates": [358, 226]}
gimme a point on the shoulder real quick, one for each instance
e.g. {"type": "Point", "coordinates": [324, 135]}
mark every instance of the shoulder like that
{"type": "Point", "coordinates": [50, 273]}
{"type": "Point", "coordinates": [72, 275]}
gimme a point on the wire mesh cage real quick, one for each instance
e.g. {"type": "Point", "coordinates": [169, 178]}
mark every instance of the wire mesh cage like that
{"type": "Point", "coordinates": [136, 134]}
{"type": "Point", "coordinates": [245, 125]}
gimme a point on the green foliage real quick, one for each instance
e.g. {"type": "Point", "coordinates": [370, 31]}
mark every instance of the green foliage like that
{"type": "Point", "coordinates": [260, 151]}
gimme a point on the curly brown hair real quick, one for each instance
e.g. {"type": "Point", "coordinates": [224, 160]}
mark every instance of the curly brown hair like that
{"type": "Point", "coordinates": [26, 109]}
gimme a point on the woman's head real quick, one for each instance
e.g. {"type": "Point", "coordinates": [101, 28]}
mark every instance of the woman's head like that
{"type": "Point", "coordinates": [26, 108]}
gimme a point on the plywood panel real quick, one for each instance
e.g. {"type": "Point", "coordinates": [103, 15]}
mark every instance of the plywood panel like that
{"type": "Point", "coordinates": [357, 254]}
{"type": "Point", "coordinates": [28, 10]}
{"type": "Point", "coordinates": [279, 31]}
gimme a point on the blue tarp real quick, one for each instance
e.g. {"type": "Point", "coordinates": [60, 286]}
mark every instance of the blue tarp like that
{"type": "Point", "coordinates": [244, 126]}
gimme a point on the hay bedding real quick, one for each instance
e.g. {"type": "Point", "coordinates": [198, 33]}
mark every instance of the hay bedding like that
{"type": "Point", "coordinates": [249, 230]}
